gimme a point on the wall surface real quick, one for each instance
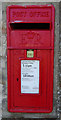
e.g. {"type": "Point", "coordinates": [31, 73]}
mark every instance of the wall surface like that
{"type": "Point", "coordinates": [60, 58]}
{"type": "Point", "coordinates": [3, 64]}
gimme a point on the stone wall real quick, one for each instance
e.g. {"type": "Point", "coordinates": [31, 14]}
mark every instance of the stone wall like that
{"type": "Point", "coordinates": [1, 61]}
{"type": "Point", "coordinates": [3, 65]}
{"type": "Point", "coordinates": [60, 58]}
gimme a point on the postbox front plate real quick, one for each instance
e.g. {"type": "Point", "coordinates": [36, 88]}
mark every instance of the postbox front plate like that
{"type": "Point", "coordinates": [30, 58]}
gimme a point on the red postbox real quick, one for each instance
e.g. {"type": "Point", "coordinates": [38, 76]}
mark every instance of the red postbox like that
{"type": "Point", "coordinates": [30, 58]}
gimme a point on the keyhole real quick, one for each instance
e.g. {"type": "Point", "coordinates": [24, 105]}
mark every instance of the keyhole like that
{"type": "Point", "coordinates": [17, 79]}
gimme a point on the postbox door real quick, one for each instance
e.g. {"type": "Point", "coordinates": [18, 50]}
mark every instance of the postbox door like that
{"type": "Point", "coordinates": [42, 101]}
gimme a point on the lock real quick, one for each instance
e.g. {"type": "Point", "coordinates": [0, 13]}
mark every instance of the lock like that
{"type": "Point", "coordinates": [30, 53]}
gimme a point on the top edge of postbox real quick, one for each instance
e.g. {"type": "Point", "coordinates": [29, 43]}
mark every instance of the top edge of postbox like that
{"type": "Point", "coordinates": [30, 6]}
{"type": "Point", "coordinates": [30, 13]}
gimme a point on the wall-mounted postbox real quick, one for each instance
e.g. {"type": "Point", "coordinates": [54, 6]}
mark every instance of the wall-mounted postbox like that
{"type": "Point", "coordinates": [30, 58]}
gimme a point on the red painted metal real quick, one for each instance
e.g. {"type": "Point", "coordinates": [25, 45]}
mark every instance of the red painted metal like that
{"type": "Point", "coordinates": [42, 42]}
